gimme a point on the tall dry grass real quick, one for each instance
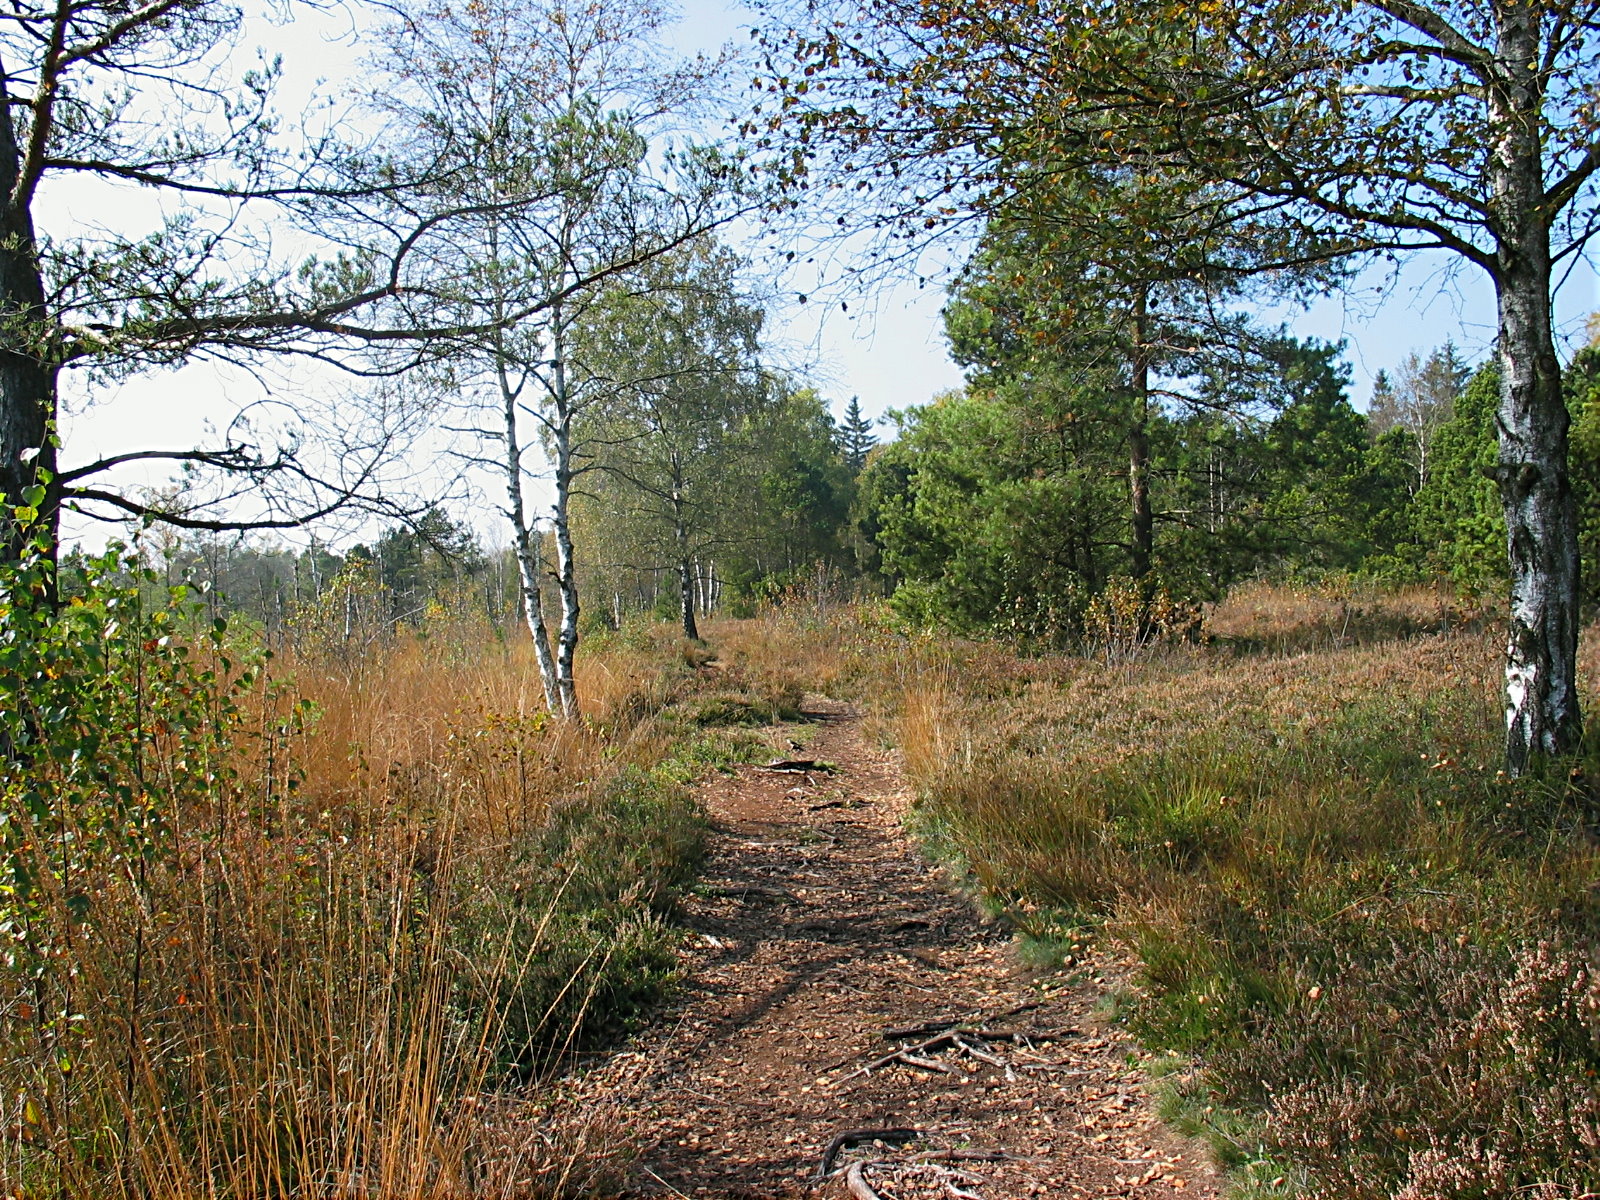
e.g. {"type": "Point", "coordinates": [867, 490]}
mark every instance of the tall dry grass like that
{"type": "Point", "coordinates": [397, 897]}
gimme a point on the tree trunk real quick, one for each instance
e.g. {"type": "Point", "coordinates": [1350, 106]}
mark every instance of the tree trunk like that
{"type": "Point", "coordinates": [566, 565]}
{"type": "Point", "coordinates": [530, 558]}
{"type": "Point", "coordinates": [1542, 714]}
{"type": "Point", "coordinates": [1142, 534]}
{"type": "Point", "coordinates": [1142, 541]}
{"type": "Point", "coordinates": [685, 568]}
{"type": "Point", "coordinates": [530, 564]}
{"type": "Point", "coordinates": [27, 367]}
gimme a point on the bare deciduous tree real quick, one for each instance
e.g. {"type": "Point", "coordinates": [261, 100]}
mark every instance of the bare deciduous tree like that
{"type": "Point", "coordinates": [542, 115]}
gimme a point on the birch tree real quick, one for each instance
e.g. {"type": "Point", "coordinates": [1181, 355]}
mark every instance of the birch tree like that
{"type": "Point", "coordinates": [545, 113]}
{"type": "Point", "coordinates": [1373, 127]}
{"type": "Point", "coordinates": [1418, 400]}
{"type": "Point", "coordinates": [683, 434]}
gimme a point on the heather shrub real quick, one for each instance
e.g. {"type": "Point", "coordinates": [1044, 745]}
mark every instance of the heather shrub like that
{"type": "Point", "coordinates": [1374, 953]}
{"type": "Point", "coordinates": [1460, 1072]}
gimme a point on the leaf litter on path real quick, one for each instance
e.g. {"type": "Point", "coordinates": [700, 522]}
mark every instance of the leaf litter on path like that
{"type": "Point", "coordinates": [849, 1026]}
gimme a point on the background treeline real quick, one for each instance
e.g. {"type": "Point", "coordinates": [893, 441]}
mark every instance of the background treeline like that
{"type": "Point", "coordinates": [1003, 508]}
{"type": "Point", "coordinates": [1059, 475]}
{"type": "Point", "coordinates": [767, 505]}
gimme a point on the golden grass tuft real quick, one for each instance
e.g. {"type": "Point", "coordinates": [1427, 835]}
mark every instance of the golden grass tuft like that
{"type": "Point", "coordinates": [348, 971]}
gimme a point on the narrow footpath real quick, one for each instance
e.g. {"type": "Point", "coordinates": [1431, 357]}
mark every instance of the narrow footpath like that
{"type": "Point", "coordinates": [849, 1027]}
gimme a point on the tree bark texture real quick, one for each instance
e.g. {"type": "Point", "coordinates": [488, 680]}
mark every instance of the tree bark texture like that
{"type": "Point", "coordinates": [1542, 714]}
{"type": "Point", "coordinates": [530, 559]}
{"type": "Point", "coordinates": [566, 562]}
{"type": "Point", "coordinates": [1543, 720]}
{"type": "Point", "coordinates": [27, 372]}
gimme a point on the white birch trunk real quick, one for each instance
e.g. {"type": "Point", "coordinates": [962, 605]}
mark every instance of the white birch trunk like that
{"type": "Point", "coordinates": [566, 567]}
{"type": "Point", "coordinates": [525, 541]}
{"type": "Point", "coordinates": [1542, 714]}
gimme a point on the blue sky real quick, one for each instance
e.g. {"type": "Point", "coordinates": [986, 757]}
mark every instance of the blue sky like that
{"type": "Point", "coordinates": [887, 349]}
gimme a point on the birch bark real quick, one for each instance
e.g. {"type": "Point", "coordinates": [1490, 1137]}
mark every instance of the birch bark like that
{"type": "Point", "coordinates": [1543, 719]}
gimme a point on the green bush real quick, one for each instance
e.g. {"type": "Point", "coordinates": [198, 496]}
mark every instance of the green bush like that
{"type": "Point", "coordinates": [570, 929]}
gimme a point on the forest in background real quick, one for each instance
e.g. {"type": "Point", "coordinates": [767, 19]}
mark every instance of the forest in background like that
{"type": "Point", "coordinates": [1005, 509]}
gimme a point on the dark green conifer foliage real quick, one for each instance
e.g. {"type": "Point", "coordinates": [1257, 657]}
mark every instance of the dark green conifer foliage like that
{"type": "Point", "coordinates": [856, 438]}
{"type": "Point", "coordinates": [1459, 518]}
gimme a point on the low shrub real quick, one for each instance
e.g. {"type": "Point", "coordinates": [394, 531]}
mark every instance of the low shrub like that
{"type": "Point", "coordinates": [1375, 951]}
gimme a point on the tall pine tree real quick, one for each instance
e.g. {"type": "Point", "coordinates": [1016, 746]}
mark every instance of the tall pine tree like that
{"type": "Point", "coordinates": [856, 438]}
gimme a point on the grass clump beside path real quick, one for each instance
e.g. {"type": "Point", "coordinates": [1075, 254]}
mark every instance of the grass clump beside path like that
{"type": "Point", "coordinates": [325, 924]}
{"type": "Point", "coordinates": [1375, 953]}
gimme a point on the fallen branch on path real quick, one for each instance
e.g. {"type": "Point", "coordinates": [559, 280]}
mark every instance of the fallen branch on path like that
{"type": "Point", "coordinates": [799, 766]}
{"type": "Point", "coordinates": [855, 1179]}
{"type": "Point", "coordinates": [963, 1038]}
{"type": "Point", "coordinates": [932, 1025]}
{"type": "Point", "coordinates": [856, 1137]}
{"type": "Point", "coordinates": [978, 1052]}
{"type": "Point", "coordinates": [960, 1026]}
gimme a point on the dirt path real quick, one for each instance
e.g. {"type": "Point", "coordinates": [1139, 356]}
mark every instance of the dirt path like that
{"type": "Point", "coordinates": [819, 929]}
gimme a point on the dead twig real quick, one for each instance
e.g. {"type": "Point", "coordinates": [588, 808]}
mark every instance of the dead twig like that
{"type": "Point", "coordinates": [855, 1179]}
{"type": "Point", "coordinates": [855, 1137]}
{"type": "Point", "coordinates": [980, 1054]}
{"type": "Point", "coordinates": [798, 766]}
{"type": "Point", "coordinates": [931, 1025]}
{"type": "Point", "coordinates": [907, 1054]}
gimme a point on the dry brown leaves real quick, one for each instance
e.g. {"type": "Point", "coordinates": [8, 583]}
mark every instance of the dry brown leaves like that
{"type": "Point", "coordinates": [819, 932]}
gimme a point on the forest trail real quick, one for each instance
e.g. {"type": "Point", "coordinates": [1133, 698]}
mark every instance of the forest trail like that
{"type": "Point", "coordinates": [818, 930]}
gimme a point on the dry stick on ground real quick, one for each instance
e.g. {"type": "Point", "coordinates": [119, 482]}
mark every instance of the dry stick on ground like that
{"type": "Point", "coordinates": [855, 1179]}
{"type": "Point", "coordinates": [960, 1038]}
{"type": "Point", "coordinates": [798, 766]}
{"type": "Point", "coordinates": [979, 1053]}
{"type": "Point", "coordinates": [978, 1029]}
{"type": "Point", "coordinates": [932, 1025]}
{"type": "Point", "coordinates": [854, 1137]}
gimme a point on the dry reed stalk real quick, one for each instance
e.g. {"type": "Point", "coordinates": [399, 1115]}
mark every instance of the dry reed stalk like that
{"type": "Point", "coordinates": [273, 1005]}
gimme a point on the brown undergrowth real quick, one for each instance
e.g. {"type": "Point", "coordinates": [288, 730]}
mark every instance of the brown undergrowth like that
{"type": "Point", "coordinates": [1372, 954]}
{"type": "Point", "coordinates": [326, 926]}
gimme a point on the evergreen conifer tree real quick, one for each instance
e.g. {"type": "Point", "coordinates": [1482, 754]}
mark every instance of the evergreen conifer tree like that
{"type": "Point", "coordinates": [856, 438]}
